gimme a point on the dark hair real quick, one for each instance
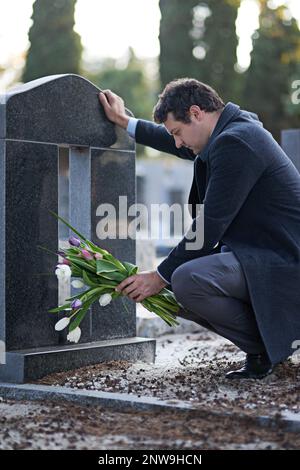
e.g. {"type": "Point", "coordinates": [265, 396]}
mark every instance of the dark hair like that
{"type": "Point", "coordinates": [179, 95]}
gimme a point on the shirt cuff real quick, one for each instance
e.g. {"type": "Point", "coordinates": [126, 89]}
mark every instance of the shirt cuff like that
{"type": "Point", "coordinates": [165, 280]}
{"type": "Point", "coordinates": [131, 127]}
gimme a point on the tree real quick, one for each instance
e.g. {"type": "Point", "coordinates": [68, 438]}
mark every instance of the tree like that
{"type": "Point", "coordinates": [55, 46]}
{"type": "Point", "coordinates": [216, 44]}
{"type": "Point", "coordinates": [199, 40]}
{"type": "Point", "coordinates": [130, 82]}
{"type": "Point", "coordinates": [274, 66]}
{"type": "Point", "coordinates": [176, 43]}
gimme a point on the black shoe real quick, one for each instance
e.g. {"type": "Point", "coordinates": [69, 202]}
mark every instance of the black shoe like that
{"type": "Point", "coordinates": [257, 366]}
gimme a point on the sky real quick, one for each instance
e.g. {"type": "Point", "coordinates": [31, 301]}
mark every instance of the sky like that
{"type": "Point", "coordinates": [107, 34]}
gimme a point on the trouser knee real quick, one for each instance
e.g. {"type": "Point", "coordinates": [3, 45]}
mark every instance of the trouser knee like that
{"type": "Point", "coordinates": [196, 295]}
{"type": "Point", "coordinates": [179, 281]}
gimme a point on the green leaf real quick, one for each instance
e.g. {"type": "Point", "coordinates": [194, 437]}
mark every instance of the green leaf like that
{"type": "Point", "coordinates": [72, 251]}
{"type": "Point", "coordinates": [107, 288]}
{"type": "Point", "coordinates": [133, 271]}
{"type": "Point", "coordinates": [87, 280]}
{"type": "Point", "coordinates": [115, 261]}
{"type": "Point", "coordinates": [116, 294]}
{"type": "Point", "coordinates": [169, 317]}
{"type": "Point", "coordinates": [91, 292]}
{"type": "Point", "coordinates": [96, 248]}
{"type": "Point", "coordinates": [58, 309]}
{"type": "Point", "coordinates": [78, 319]}
{"type": "Point", "coordinates": [131, 268]}
{"type": "Point", "coordinates": [164, 301]}
{"type": "Point", "coordinates": [114, 276]}
{"type": "Point", "coordinates": [76, 271]}
{"type": "Point", "coordinates": [81, 263]}
{"type": "Point", "coordinates": [81, 314]}
{"type": "Point", "coordinates": [166, 291]}
{"type": "Point", "coordinates": [103, 266]}
{"type": "Point", "coordinates": [80, 295]}
{"type": "Point", "coordinates": [128, 266]}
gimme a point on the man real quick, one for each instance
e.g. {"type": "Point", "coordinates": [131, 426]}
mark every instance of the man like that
{"type": "Point", "coordinates": [244, 282]}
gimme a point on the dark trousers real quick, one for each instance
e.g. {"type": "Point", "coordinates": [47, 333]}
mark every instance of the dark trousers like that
{"type": "Point", "coordinates": [213, 293]}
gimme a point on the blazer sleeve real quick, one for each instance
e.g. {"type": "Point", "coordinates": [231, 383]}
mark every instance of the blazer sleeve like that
{"type": "Point", "coordinates": [234, 171]}
{"type": "Point", "coordinates": [156, 136]}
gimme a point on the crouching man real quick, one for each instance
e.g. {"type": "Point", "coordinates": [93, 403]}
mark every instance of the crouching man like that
{"type": "Point", "coordinates": [243, 282]}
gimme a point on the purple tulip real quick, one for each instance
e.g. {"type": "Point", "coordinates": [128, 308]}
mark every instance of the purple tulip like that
{"type": "Point", "coordinates": [87, 255]}
{"type": "Point", "coordinates": [64, 262]}
{"type": "Point", "coordinates": [74, 241]}
{"type": "Point", "coordinates": [61, 253]}
{"type": "Point", "coordinates": [67, 262]}
{"type": "Point", "coordinates": [76, 304]}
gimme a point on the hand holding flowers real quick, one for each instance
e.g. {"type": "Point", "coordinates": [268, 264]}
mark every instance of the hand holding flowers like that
{"type": "Point", "coordinates": [106, 278]}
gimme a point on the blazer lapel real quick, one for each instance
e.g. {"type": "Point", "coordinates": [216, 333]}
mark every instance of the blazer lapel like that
{"type": "Point", "coordinates": [229, 113]}
{"type": "Point", "coordinates": [201, 163]}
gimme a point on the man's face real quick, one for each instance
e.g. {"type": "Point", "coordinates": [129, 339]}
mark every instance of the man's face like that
{"type": "Point", "coordinates": [193, 135]}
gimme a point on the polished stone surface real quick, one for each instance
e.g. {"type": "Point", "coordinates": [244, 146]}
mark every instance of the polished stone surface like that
{"type": "Point", "coordinates": [31, 286]}
{"type": "Point", "coordinates": [31, 364]}
{"type": "Point", "coordinates": [37, 120]}
{"type": "Point", "coordinates": [80, 211]}
{"type": "Point", "coordinates": [113, 176]}
{"type": "Point", "coordinates": [62, 109]}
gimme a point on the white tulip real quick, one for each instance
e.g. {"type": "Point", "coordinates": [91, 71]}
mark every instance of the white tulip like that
{"type": "Point", "coordinates": [63, 272]}
{"type": "Point", "coordinates": [74, 336]}
{"type": "Point", "coordinates": [61, 324]}
{"type": "Point", "coordinates": [77, 284]}
{"type": "Point", "coordinates": [105, 299]}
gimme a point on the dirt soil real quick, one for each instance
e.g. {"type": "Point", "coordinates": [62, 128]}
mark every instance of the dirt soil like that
{"type": "Point", "coordinates": [33, 425]}
{"type": "Point", "coordinates": [192, 367]}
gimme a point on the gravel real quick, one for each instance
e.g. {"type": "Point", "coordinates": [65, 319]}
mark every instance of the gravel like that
{"type": "Point", "coordinates": [192, 367]}
{"type": "Point", "coordinates": [26, 425]}
{"type": "Point", "coordinates": [189, 367]}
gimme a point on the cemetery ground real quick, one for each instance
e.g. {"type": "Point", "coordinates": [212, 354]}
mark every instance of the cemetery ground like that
{"type": "Point", "coordinates": [189, 368]}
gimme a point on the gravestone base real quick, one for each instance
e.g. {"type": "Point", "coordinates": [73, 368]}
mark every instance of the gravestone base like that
{"type": "Point", "coordinates": [27, 365]}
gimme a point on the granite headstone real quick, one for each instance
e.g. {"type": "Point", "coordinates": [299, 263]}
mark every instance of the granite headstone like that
{"type": "Point", "coordinates": [37, 120]}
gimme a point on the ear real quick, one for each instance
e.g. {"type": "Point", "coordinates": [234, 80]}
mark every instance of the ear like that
{"type": "Point", "coordinates": [197, 112]}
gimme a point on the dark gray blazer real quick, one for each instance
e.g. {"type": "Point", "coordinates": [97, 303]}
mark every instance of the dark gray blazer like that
{"type": "Point", "coordinates": [251, 195]}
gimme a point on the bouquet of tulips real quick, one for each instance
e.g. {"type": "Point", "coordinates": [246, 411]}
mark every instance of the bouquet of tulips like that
{"type": "Point", "coordinates": [100, 272]}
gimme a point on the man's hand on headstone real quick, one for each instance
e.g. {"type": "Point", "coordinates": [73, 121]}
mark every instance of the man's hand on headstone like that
{"type": "Point", "coordinates": [141, 285]}
{"type": "Point", "coordinates": [114, 108]}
